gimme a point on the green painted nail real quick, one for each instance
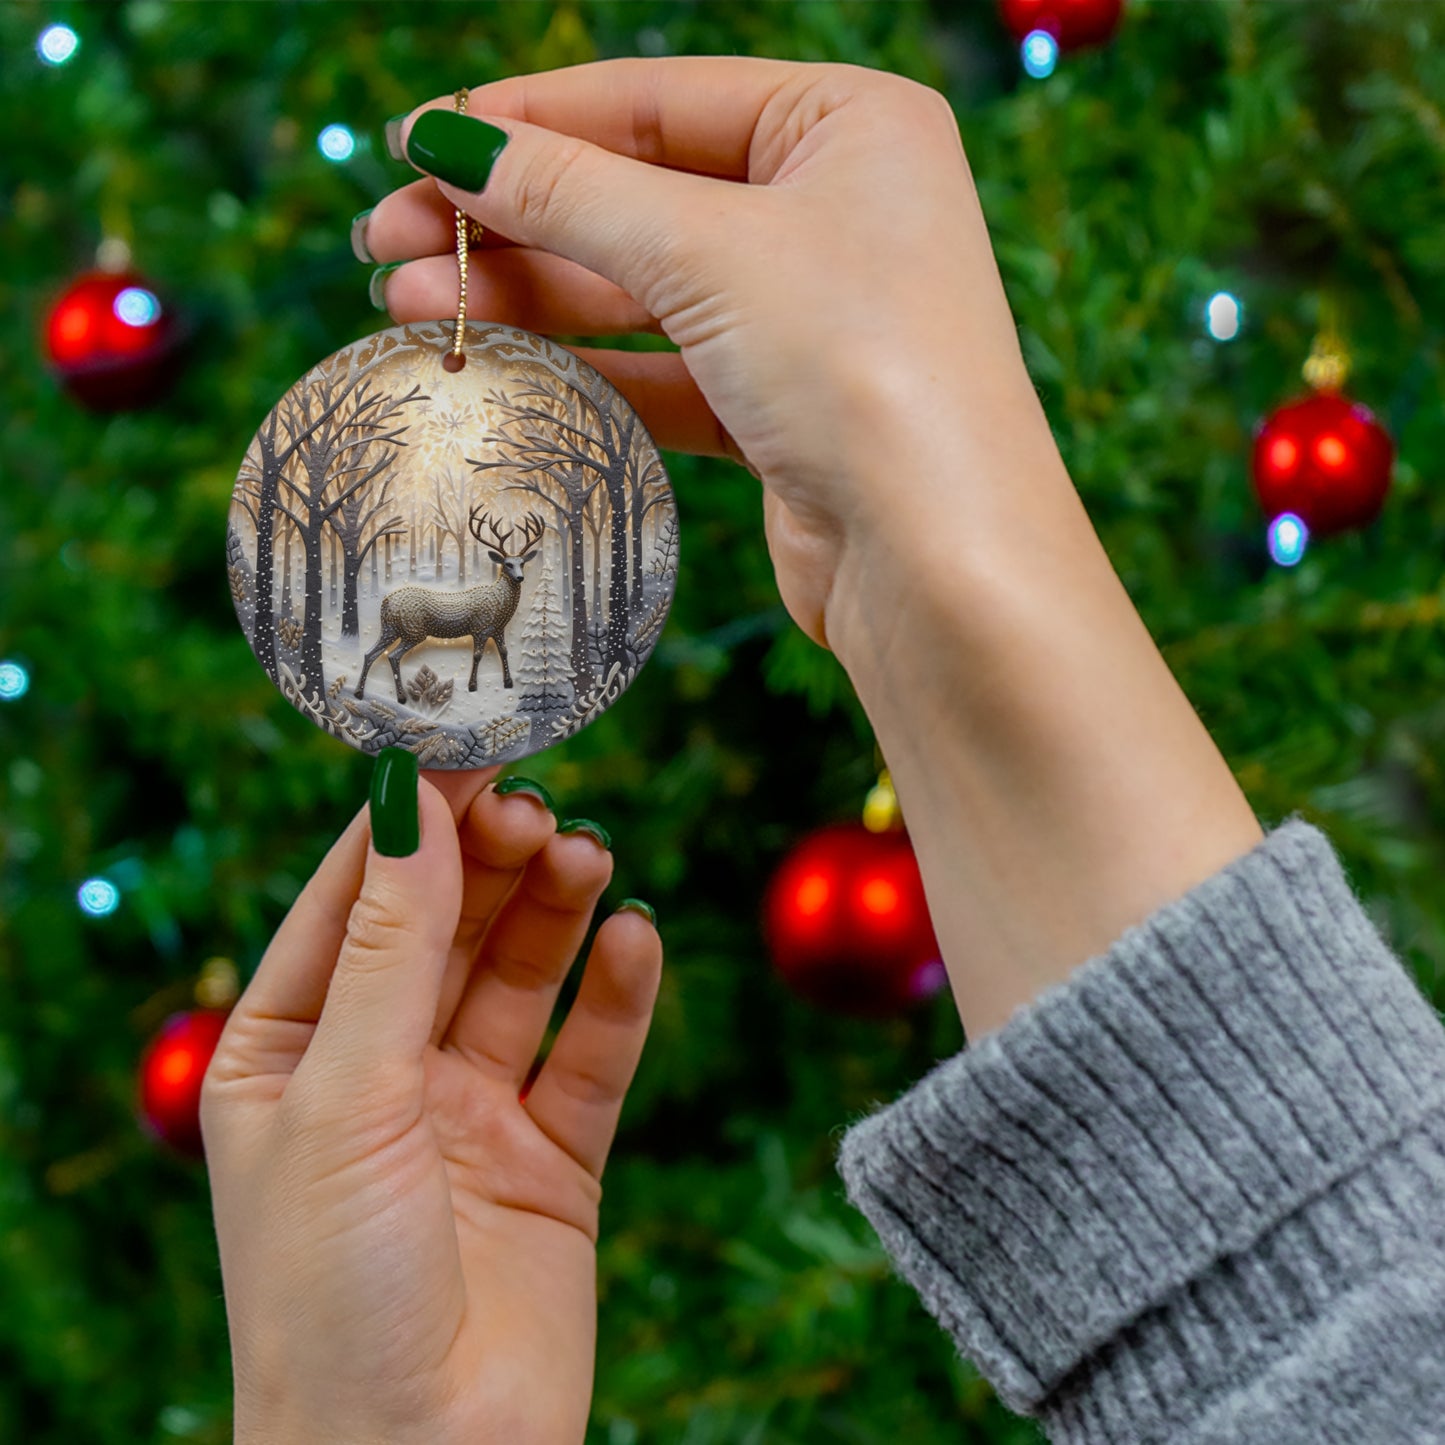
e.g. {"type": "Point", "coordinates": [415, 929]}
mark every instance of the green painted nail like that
{"type": "Point", "coordinates": [395, 824]}
{"type": "Point", "coordinates": [586, 825]}
{"type": "Point", "coordinates": [636, 905]}
{"type": "Point", "coordinates": [528, 786]}
{"type": "Point", "coordinates": [455, 148]}
{"type": "Point", "coordinates": [376, 288]}
{"type": "Point", "coordinates": [359, 248]}
{"type": "Point", "coordinates": [393, 136]}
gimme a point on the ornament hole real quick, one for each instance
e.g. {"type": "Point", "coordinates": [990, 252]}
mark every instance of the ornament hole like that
{"type": "Point", "coordinates": [453, 361]}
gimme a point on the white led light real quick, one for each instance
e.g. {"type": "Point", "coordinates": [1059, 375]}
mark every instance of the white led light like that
{"type": "Point", "coordinates": [1223, 316]}
{"type": "Point", "coordinates": [1288, 537]}
{"type": "Point", "coordinates": [336, 143]}
{"type": "Point", "coordinates": [137, 307]}
{"type": "Point", "coordinates": [57, 44]}
{"type": "Point", "coordinates": [14, 681]}
{"type": "Point", "coordinates": [98, 897]}
{"type": "Point", "coordinates": [1040, 52]}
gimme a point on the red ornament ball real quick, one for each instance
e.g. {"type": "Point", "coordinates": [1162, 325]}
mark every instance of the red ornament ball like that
{"type": "Point", "coordinates": [171, 1071]}
{"type": "Point", "coordinates": [847, 923]}
{"type": "Point", "coordinates": [1324, 458]}
{"type": "Point", "coordinates": [1073, 23]}
{"type": "Point", "coordinates": [112, 341]}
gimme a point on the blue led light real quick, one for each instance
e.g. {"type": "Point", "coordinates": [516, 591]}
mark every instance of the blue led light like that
{"type": "Point", "coordinates": [137, 307]}
{"type": "Point", "coordinates": [14, 681]}
{"type": "Point", "coordinates": [1040, 52]}
{"type": "Point", "coordinates": [57, 44]}
{"type": "Point", "coordinates": [1288, 538]}
{"type": "Point", "coordinates": [1223, 316]}
{"type": "Point", "coordinates": [98, 897]}
{"type": "Point", "coordinates": [336, 143]}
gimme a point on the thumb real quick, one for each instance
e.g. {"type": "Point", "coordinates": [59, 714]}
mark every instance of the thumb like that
{"type": "Point", "coordinates": [382, 999]}
{"type": "Point", "coordinates": [623, 219]}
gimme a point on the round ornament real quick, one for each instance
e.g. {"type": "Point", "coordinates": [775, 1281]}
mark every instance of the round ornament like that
{"type": "Point", "coordinates": [1073, 23]}
{"type": "Point", "coordinates": [1325, 459]}
{"type": "Point", "coordinates": [171, 1073]}
{"type": "Point", "coordinates": [457, 539]}
{"type": "Point", "coordinates": [847, 923]}
{"type": "Point", "coordinates": [111, 341]}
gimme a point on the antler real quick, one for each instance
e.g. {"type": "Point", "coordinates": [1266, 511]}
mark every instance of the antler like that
{"type": "Point", "coordinates": [532, 527]}
{"type": "Point", "coordinates": [478, 521]}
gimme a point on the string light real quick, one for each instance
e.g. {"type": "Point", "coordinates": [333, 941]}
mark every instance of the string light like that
{"type": "Point", "coordinates": [1288, 537]}
{"type": "Point", "coordinates": [1223, 316]}
{"type": "Point", "coordinates": [137, 307]}
{"type": "Point", "coordinates": [57, 44]}
{"type": "Point", "coordinates": [1040, 53]}
{"type": "Point", "coordinates": [14, 681]}
{"type": "Point", "coordinates": [98, 897]}
{"type": "Point", "coordinates": [336, 143]}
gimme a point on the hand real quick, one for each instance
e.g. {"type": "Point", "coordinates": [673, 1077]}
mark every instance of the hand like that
{"type": "Point", "coordinates": [407, 1248]}
{"type": "Point", "coordinates": [810, 237]}
{"type": "Point", "coordinates": [843, 298]}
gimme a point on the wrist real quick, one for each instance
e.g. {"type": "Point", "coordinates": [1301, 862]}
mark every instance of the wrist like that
{"type": "Point", "coordinates": [1056, 782]}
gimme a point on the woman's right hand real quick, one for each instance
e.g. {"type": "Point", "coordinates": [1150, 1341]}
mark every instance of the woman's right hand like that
{"type": "Point", "coordinates": [808, 235]}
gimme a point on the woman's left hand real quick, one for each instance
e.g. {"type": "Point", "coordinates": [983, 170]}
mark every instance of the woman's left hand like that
{"type": "Point", "coordinates": [407, 1244]}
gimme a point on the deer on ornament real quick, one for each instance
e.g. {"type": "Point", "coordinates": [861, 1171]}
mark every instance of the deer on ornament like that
{"type": "Point", "coordinates": [411, 615]}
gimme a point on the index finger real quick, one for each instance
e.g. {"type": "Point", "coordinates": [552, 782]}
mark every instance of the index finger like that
{"type": "Point", "coordinates": [695, 113]}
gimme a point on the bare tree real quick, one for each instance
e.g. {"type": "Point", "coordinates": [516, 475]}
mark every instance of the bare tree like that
{"type": "Point", "coordinates": [449, 512]}
{"type": "Point", "coordinates": [358, 524]}
{"type": "Point", "coordinates": [523, 438]}
{"type": "Point", "coordinates": [644, 470]}
{"type": "Point", "coordinates": [565, 426]}
{"type": "Point", "coordinates": [308, 472]}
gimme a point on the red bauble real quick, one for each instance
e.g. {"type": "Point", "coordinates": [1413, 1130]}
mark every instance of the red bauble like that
{"type": "Point", "coordinates": [847, 923]}
{"type": "Point", "coordinates": [112, 341]}
{"type": "Point", "coordinates": [171, 1072]}
{"type": "Point", "coordinates": [1324, 458]}
{"type": "Point", "coordinates": [1073, 23]}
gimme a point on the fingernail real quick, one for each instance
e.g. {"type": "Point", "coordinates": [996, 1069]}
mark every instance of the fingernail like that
{"type": "Point", "coordinates": [455, 148]}
{"type": "Point", "coordinates": [359, 248]}
{"type": "Point", "coordinates": [636, 905]}
{"type": "Point", "coordinates": [586, 825]}
{"type": "Point", "coordinates": [376, 287]}
{"type": "Point", "coordinates": [525, 785]}
{"type": "Point", "coordinates": [393, 136]}
{"type": "Point", "coordinates": [395, 824]}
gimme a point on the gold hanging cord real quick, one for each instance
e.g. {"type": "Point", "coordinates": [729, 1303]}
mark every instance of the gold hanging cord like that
{"type": "Point", "coordinates": [469, 233]}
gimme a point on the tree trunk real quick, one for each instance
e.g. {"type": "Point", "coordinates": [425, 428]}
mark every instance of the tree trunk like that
{"type": "Point", "coordinates": [637, 520]}
{"type": "Point", "coordinates": [597, 571]}
{"type": "Point", "coordinates": [581, 662]}
{"type": "Point", "coordinates": [351, 567]}
{"type": "Point", "coordinates": [616, 644]}
{"type": "Point", "coordinates": [332, 547]}
{"type": "Point", "coordinates": [286, 576]}
{"type": "Point", "coordinates": [311, 623]}
{"type": "Point", "coordinates": [263, 627]}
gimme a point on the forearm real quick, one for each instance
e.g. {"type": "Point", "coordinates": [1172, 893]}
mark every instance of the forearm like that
{"type": "Point", "coordinates": [1057, 784]}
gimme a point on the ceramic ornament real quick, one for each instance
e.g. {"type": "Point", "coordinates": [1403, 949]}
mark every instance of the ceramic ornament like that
{"type": "Point", "coordinates": [457, 539]}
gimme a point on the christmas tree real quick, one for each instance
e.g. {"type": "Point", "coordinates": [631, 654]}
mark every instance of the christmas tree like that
{"type": "Point", "coordinates": [1284, 160]}
{"type": "Point", "coordinates": [544, 672]}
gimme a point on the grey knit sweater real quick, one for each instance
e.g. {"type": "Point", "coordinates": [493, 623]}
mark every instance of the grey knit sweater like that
{"type": "Point", "coordinates": [1197, 1191]}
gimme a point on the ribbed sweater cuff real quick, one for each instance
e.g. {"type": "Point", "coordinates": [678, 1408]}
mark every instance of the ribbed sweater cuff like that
{"type": "Point", "coordinates": [1146, 1163]}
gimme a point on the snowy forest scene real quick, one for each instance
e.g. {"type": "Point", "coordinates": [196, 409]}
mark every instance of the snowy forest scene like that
{"type": "Point", "coordinates": [471, 564]}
